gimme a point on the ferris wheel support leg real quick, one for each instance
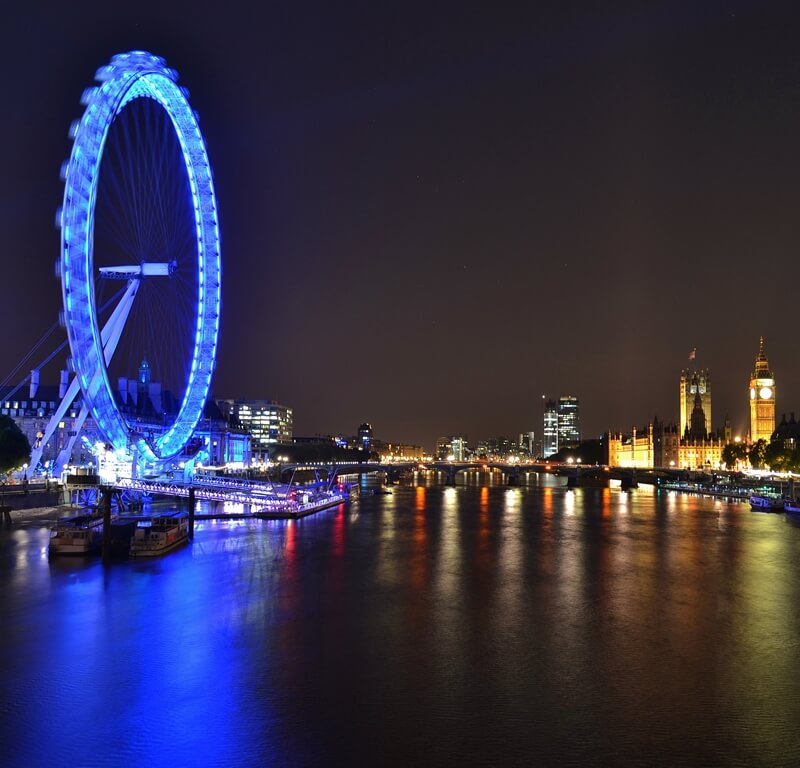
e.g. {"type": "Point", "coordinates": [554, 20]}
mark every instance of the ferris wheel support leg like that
{"type": "Point", "coordinates": [110, 338]}
{"type": "Point", "coordinates": [55, 420]}
{"type": "Point", "coordinates": [66, 451]}
{"type": "Point", "coordinates": [112, 330]}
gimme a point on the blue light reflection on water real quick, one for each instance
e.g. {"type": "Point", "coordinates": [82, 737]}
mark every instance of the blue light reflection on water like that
{"type": "Point", "coordinates": [482, 625]}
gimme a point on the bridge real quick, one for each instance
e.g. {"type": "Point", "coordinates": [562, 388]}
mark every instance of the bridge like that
{"type": "Point", "coordinates": [576, 473]}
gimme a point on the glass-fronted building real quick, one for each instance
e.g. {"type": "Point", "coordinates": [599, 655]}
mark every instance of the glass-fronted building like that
{"type": "Point", "coordinates": [267, 421]}
{"type": "Point", "coordinates": [550, 429]}
{"type": "Point", "coordinates": [569, 421]}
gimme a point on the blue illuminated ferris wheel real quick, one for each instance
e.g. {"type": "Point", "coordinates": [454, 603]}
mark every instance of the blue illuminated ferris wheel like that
{"type": "Point", "coordinates": [140, 258]}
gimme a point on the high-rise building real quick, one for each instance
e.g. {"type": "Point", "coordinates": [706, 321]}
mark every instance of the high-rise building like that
{"type": "Point", "coordinates": [526, 442]}
{"type": "Point", "coordinates": [451, 448]}
{"type": "Point", "coordinates": [267, 421]}
{"type": "Point", "coordinates": [569, 421]}
{"type": "Point", "coordinates": [365, 436]}
{"type": "Point", "coordinates": [550, 429]}
{"type": "Point", "coordinates": [762, 398]}
{"type": "Point", "coordinates": [694, 383]}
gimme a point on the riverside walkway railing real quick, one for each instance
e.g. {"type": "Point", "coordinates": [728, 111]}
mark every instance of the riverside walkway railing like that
{"type": "Point", "coordinates": [261, 496]}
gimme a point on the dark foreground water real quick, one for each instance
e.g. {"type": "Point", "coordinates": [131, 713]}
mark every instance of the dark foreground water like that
{"type": "Point", "coordinates": [436, 626]}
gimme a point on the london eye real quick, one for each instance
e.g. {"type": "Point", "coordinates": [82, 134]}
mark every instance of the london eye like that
{"type": "Point", "coordinates": [140, 258]}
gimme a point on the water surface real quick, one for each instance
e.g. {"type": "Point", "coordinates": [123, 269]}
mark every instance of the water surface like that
{"type": "Point", "coordinates": [436, 626]}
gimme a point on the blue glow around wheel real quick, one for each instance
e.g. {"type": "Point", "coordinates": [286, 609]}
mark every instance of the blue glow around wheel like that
{"type": "Point", "coordinates": [129, 76]}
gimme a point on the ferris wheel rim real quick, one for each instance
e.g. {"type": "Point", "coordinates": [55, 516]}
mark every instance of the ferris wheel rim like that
{"type": "Point", "coordinates": [129, 76]}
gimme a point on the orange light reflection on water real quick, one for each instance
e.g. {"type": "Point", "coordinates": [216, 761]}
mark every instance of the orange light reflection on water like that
{"type": "Point", "coordinates": [419, 549]}
{"type": "Point", "coordinates": [547, 502]}
{"type": "Point", "coordinates": [605, 501]}
{"type": "Point", "coordinates": [483, 513]}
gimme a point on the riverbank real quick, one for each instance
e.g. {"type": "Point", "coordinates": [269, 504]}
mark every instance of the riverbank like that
{"type": "Point", "coordinates": [39, 515]}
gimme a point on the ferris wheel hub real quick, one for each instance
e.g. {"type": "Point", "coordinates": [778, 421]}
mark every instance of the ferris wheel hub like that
{"type": "Point", "coordinates": [137, 271]}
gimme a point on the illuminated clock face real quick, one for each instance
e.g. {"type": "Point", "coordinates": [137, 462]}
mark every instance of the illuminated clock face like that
{"type": "Point", "coordinates": [765, 393]}
{"type": "Point", "coordinates": [752, 393]}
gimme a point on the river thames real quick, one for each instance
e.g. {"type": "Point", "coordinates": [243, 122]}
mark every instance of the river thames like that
{"type": "Point", "coordinates": [468, 625]}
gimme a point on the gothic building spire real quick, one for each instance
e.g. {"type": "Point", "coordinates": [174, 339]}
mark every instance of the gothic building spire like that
{"type": "Point", "coordinates": [698, 431]}
{"type": "Point", "coordinates": [762, 370]}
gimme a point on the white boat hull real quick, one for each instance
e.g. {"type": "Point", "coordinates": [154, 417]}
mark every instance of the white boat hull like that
{"type": "Point", "coordinates": [81, 535]}
{"type": "Point", "coordinates": [63, 548]}
{"type": "Point", "coordinates": [162, 537]}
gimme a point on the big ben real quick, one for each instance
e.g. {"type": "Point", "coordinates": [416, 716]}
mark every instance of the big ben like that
{"type": "Point", "coordinates": [762, 398]}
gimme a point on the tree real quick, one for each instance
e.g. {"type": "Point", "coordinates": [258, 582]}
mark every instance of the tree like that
{"type": "Point", "coordinates": [15, 449]}
{"type": "Point", "coordinates": [776, 457]}
{"type": "Point", "coordinates": [733, 453]}
{"type": "Point", "coordinates": [758, 454]}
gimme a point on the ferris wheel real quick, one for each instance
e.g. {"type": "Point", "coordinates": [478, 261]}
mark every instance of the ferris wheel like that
{"type": "Point", "coordinates": [140, 258]}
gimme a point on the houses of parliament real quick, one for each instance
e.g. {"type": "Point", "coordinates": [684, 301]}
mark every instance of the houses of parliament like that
{"type": "Point", "coordinates": [691, 444]}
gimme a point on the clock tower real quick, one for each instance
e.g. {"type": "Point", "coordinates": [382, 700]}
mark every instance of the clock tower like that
{"type": "Point", "coordinates": [762, 398]}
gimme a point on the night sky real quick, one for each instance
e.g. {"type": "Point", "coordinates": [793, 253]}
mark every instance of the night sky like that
{"type": "Point", "coordinates": [433, 214]}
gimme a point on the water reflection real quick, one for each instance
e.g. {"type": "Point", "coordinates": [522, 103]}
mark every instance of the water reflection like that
{"type": "Point", "coordinates": [479, 624]}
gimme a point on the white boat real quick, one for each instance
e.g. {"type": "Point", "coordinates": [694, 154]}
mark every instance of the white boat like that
{"type": "Point", "coordinates": [764, 503]}
{"type": "Point", "coordinates": [159, 534]}
{"type": "Point", "coordinates": [77, 535]}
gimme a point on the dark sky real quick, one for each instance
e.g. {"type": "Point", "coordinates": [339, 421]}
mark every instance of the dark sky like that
{"type": "Point", "coordinates": [433, 214]}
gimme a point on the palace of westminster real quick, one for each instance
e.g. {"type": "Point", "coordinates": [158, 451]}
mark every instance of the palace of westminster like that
{"type": "Point", "coordinates": [691, 444]}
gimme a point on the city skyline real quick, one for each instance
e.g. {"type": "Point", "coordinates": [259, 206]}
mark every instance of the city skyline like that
{"type": "Point", "coordinates": [428, 222]}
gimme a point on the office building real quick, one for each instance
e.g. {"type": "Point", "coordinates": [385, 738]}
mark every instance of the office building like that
{"type": "Point", "coordinates": [550, 429]}
{"type": "Point", "coordinates": [569, 422]}
{"type": "Point", "coordinates": [267, 421]}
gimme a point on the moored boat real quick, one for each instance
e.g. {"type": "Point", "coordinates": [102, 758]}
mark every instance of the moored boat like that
{"type": "Point", "coordinates": [77, 535]}
{"type": "Point", "coordinates": [159, 534]}
{"type": "Point", "coordinates": [792, 506]}
{"type": "Point", "coordinates": [764, 503]}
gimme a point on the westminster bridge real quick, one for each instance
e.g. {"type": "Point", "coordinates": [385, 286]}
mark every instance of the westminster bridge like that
{"type": "Point", "coordinates": [514, 473]}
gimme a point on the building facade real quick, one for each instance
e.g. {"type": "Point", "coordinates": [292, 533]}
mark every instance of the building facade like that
{"type": "Point", "coordinates": [550, 429]}
{"type": "Point", "coordinates": [365, 436]}
{"type": "Point", "coordinates": [225, 444]}
{"type": "Point", "coordinates": [762, 398]}
{"type": "Point", "coordinates": [73, 439]}
{"type": "Point", "coordinates": [451, 448]}
{"type": "Point", "coordinates": [694, 383]}
{"type": "Point", "coordinates": [401, 452]}
{"type": "Point", "coordinates": [687, 445]}
{"type": "Point", "coordinates": [662, 446]}
{"type": "Point", "coordinates": [569, 422]}
{"type": "Point", "coordinates": [527, 443]}
{"type": "Point", "coordinates": [267, 421]}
